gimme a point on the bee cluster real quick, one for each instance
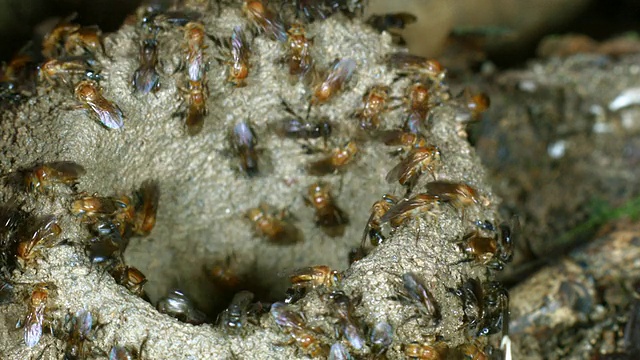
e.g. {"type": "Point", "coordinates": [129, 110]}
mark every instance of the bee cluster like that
{"type": "Point", "coordinates": [204, 82]}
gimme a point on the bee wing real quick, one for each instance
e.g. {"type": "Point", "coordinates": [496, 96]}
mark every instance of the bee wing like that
{"type": "Point", "coordinates": [67, 170]}
{"type": "Point", "coordinates": [33, 329]}
{"type": "Point", "coordinates": [109, 115]}
{"type": "Point", "coordinates": [391, 137]}
{"type": "Point", "coordinates": [321, 167]}
{"type": "Point", "coordinates": [408, 163]}
{"type": "Point", "coordinates": [406, 205]}
{"type": "Point", "coordinates": [342, 71]}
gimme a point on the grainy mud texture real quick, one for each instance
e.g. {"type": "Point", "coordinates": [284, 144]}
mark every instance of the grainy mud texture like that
{"type": "Point", "coordinates": [204, 194]}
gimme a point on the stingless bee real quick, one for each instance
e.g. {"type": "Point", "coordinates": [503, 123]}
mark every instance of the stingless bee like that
{"type": "Point", "coordinates": [328, 215]}
{"type": "Point", "coordinates": [273, 228]}
{"type": "Point", "coordinates": [107, 112]}
{"type": "Point", "coordinates": [417, 161]}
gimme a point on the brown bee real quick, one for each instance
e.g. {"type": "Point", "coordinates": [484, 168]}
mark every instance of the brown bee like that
{"type": "Point", "coordinates": [476, 104]}
{"type": "Point", "coordinates": [39, 233]}
{"type": "Point", "coordinates": [415, 164]}
{"type": "Point", "coordinates": [108, 113]}
{"type": "Point", "coordinates": [224, 275]}
{"type": "Point", "coordinates": [194, 35]}
{"type": "Point", "coordinates": [244, 141]}
{"type": "Point", "coordinates": [96, 206]}
{"type": "Point", "coordinates": [239, 63]}
{"type": "Point", "coordinates": [299, 51]}
{"type": "Point", "coordinates": [35, 317]}
{"type": "Point", "coordinates": [314, 276]}
{"type": "Point", "coordinates": [294, 324]}
{"type": "Point", "coordinates": [146, 78]}
{"type": "Point", "coordinates": [55, 70]}
{"type": "Point", "coordinates": [417, 99]}
{"type": "Point", "coordinates": [437, 351]}
{"type": "Point", "coordinates": [197, 95]}
{"type": "Point", "coordinates": [51, 44]}
{"type": "Point", "coordinates": [338, 159]}
{"type": "Point", "coordinates": [196, 91]}
{"type": "Point", "coordinates": [264, 19]}
{"type": "Point", "coordinates": [86, 38]}
{"type": "Point", "coordinates": [328, 215]}
{"type": "Point", "coordinates": [334, 80]}
{"type": "Point", "coordinates": [131, 278]}
{"type": "Point", "coordinates": [273, 228]}
{"type": "Point", "coordinates": [43, 177]}
{"type": "Point", "coordinates": [374, 104]}
{"type": "Point", "coordinates": [373, 229]}
{"type": "Point", "coordinates": [413, 64]}
{"type": "Point", "coordinates": [403, 139]}
{"type": "Point", "coordinates": [416, 291]}
{"type": "Point", "coordinates": [144, 218]}
{"type": "Point", "coordinates": [410, 207]}
{"type": "Point", "coordinates": [458, 195]}
{"type": "Point", "coordinates": [342, 308]}
{"type": "Point", "coordinates": [493, 252]}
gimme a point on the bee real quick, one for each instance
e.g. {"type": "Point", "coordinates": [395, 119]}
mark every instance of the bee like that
{"type": "Point", "coordinates": [144, 218]}
{"type": "Point", "coordinates": [299, 51]}
{"type": "Point", "coordinates": [81, 324]}
{"type": "Point", "coordinates": [146, 78]}
{"type": "Point", "coordinates": [35, 316]}
{"type": "Point", "coordinates": [106, 249]}
{"type": "Point", "coordinates": [485, 305]}
{"type": "Point", "coordinates": [55, 70]}
{"type": "Point", "coordinates": [264, 19]}
{"type": "Point", "coordinates": [477, 104]}
{"type": "Point", "coordinates": [108, 113]}
{"type": "Point", "coordinates": [194, 35]}
{"type": "Point", "coordinates": [458, 195]}
{"type": "Point", "coordinates": [373, 229]}
{"type": "Point", "coordinates": [40, 232]}
{"type": "Point", "coordinates": [179, 306]}
{"type": "Point", "coordinates": [436, 351]}
{"type": "Point", "coordinates": [86, 38]}
{"type": "Point", "coordinates": [374, 104]}
{"type": "Point", "coordinates": [415, 290]}
{"type": "Point", "coordinates": [224, 275]}
{"type": "Point", "coordinates": [340, 73]}
{"type": "Point", "coordinates": [244, 142]}
{"type": "Point", "coordinates": [96, 206]}
{"type": "Point", "coordinates": [315, 276]}
{"type": "Point", "coordinates": [342, 307]}
{"type": "Point", "coordinates": [413, 64]}
{"type": "Point", "coordinates": [131, 278]}
{"type": "Point", "coordinates": [399, 213]}
{"type": "Point", "coordinates": [297, 128]}
{"type": "Point", "coordinates": [273, 228]}
{"type": "Point", "coordinates": [51, 44]}
{"type": "Point", "coordinates": [338, 159]}
{"type": "Point", "coordinates": [239, 63]}
{"type": "Point", "coordinates": [417, 161]}
{"type": "Point", "coordinates": [405, 141]}
{"type": "Point", "coordinates": [197, 95]}
{"type": "Point", "coordinates": [381, 337]}
{"type": "Point", "coordinates": [293, 323]}
{"type": "Point", "coordinates": [491, 251]}
{"type": "Point", "coordinates": [418, 100]}
{"type": "Point", "coordinates": [234, 317]}
{"type": "Point", "coordinates": [328, 215]}
{"type": "Point", "coordinates": [43, 177]}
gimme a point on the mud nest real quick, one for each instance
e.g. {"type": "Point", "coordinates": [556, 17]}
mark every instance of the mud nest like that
{"type": "Point", "coordinates": [208, 182]}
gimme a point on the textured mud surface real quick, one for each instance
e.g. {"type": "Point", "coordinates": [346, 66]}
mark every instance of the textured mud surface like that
{"type": "Point", "coordinates": [204, 196]}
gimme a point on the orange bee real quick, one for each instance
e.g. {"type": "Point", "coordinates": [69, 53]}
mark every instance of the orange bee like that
{"type": "Point", "coordinates": [338, 159]}
{"type": "Point", "coordinates": [42, 232]}
{"type": "Point", "coordinates": [273, 228]}
{"type": "Point", "coordinates": [414, 165]}
{"type": "Point", "coordinates": [108, 113]}
{"type": "Point", "coordinates": [315, 276]}
{"type": "Point", "coordinates": [299, 48]}
{"type": "Point", "coordinates": [144, 218]}
{"type": "Point", "coordinates": [328, 215]}
{"type": "Point", "coordinates": [408, 207]}
{"type": "Point", "coordinates": [43, 177]}
{"type": "Point", "coordinates": [375, 103]}
{"type": "Point", "coordinates": [334, 80]}
{"type": "Point", "coordinates": [374, 224]}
